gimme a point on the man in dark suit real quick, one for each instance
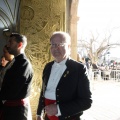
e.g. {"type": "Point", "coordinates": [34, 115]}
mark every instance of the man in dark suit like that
{"type": "Point", "coordinates": [65, 91]}
{"type": "Point", "coordinates": [17, 80]}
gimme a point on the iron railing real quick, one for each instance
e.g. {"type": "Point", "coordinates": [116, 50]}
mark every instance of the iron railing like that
{"type": "Point", "coordinates": [104, 74]}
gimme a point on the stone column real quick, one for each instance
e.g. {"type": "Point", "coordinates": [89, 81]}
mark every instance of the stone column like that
{"type": "Point", "coordinates": [73, 28]}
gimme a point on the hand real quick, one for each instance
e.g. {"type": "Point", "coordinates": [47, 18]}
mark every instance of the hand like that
{"type": "Point", "coordinates": [51, 109]}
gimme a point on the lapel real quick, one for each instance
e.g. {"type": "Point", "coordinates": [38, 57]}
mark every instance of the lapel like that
{"type": "Point", "coordinates": [70, 69]}
{"type": "Point", "coordinates": [46, 74]}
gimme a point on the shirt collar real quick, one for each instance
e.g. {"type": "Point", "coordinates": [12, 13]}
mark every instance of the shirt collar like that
{"type": "Point", "coordinates": [60, 63]}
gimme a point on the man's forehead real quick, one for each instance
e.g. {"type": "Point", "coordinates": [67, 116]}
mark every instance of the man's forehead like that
{"type": "Point", "coordinates": [58, 37]}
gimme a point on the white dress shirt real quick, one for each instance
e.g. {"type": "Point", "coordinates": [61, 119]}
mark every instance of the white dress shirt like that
{"type": "Point", "coordinates": [55, 75]}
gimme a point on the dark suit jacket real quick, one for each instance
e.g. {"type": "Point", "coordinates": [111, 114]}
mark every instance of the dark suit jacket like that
{"type": "Point", "coordinates": [17, 83]}
{"type": "Point", "coordinates": [72, 93]}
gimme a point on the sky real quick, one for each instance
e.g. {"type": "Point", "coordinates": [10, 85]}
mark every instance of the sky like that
{"type": "Point", "coordinates": [101, 16]}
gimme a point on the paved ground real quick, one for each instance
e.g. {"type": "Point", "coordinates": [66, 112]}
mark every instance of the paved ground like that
{"type": "Point", "coordinates": [106, 101]}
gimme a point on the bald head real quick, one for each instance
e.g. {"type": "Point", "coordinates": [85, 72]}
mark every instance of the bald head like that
{"type": "Point", "coordinates": [63, 35]}
{"type": "Point", "coordinates": [60, 45]}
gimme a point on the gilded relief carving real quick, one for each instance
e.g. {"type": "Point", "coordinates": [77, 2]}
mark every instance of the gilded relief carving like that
{"type": "Point", "coordinates": [39, 18]}
{"type": "Point", "coordinates": [38, 24]}
{"type": "Point", "coordinates": [27, 13]}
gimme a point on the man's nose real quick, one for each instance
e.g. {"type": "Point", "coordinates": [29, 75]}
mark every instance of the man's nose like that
{"type": "Point", "coordinates": [56, 46]}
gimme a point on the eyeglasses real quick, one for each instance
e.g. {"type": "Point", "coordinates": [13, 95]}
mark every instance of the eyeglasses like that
{"type": "Point", "coordinates": [53, 45]}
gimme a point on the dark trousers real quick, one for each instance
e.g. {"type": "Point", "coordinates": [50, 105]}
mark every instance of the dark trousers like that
{"type": "Point", "coordinates": [15, 113]}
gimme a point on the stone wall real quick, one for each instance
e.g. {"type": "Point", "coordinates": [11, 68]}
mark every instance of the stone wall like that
{"type": "Point", "coordinates": [38, 19]}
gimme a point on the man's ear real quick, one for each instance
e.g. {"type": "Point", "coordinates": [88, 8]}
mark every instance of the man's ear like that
{"type": "Point", "coordinates": [20, 45]}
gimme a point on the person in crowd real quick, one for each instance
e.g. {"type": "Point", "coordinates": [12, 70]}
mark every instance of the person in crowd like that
{"type": "Point", "coordinates": [3, 62]}
{"type": "Point", "coordinates": [89, 68]}
{"type": "Point", "coordinates": [94, 66]}
{"type": "Point", "coordinates": [9, 58]}
{"type": "Point", "coordinates": [16, 86]}
{"type": "Point", "coordinates": [65, 90]}
{"type": "Point", "coordinates": [95, 69]}
{"type": "Point", "coordinates": [88, 63]}
{"type": "Point", "coordinates": [80, 59]}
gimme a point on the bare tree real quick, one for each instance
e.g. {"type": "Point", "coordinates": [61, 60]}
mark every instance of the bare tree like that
{"type": "Point", "coordinates": [97, 47]}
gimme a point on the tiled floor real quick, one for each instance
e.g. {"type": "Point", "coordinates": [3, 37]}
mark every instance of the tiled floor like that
{"type": "Point", "coordinates": [106, 101]}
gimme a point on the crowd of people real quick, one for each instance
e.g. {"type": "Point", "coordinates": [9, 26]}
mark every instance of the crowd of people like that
{"type": "Point", "coordinates": [65, 93]}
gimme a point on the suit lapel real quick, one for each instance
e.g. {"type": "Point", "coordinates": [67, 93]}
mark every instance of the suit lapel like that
{"type": "Point", "coordinates": [67, 72]}
{"type": "Point", "coordinates": [46, 74]}
{"type": "Point", "coordinates": [47, 71]}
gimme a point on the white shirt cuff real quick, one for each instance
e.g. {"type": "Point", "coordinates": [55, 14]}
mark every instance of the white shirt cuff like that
{"type": "Point", "coordinates": [59, 113]}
